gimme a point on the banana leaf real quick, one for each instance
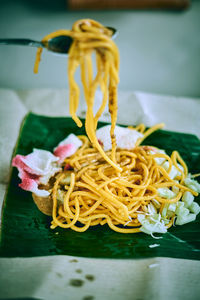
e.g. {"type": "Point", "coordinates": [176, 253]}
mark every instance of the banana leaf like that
{"type": "Point", "coordinates": [25, 230]}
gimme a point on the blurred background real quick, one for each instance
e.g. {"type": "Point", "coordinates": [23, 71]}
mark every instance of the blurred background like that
{"type": "Point", "coordinates": [159, 42]}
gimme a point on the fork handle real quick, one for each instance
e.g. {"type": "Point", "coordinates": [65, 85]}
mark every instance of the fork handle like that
{"type": "Point", "coordinates": [21, 42]}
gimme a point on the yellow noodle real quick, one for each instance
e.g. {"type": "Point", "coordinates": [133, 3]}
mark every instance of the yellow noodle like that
{"type": "Point", "coordinates": [110, 187]}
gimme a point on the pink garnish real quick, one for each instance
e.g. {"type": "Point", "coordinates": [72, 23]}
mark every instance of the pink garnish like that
{"type": "Point", "coordinates": [32, 186]}
{"type": "Point", "coordinates": [35, 168]}
{"type": "Point", "coordinates": [28, 184]}
{"type": "Point", "coordinates": [40, 165]}
{"type": "Point", "coordinates": [64, 151]}
{"type": "Point", "coordinates": [25, 175]}
{"type": "Point", "coordinates": [29, 180]}
{"type": "Point", "coordinates": [18, 162]}
{"type": "Point", "coordinates": [67, 147]}
{"type": "Point", "coordinates": [125, 137]}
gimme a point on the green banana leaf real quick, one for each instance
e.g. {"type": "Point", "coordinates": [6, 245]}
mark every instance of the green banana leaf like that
{"type": "Point", "coordinates": [25, 230]}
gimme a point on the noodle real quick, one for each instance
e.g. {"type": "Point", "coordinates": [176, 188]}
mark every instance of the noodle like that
{"type": "Point", "coordinates": [113, 187]}
{"type": "Point", "coordinates": [90, 36]}
{"type": "Point", "coordinates": [101, 196]}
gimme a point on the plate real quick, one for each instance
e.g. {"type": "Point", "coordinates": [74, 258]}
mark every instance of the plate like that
{"type": "Point", "coordinates": [25, 230]}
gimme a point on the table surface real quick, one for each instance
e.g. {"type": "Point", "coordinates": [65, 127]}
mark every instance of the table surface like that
{"type": "Point", "coordinates": [159, 49]}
